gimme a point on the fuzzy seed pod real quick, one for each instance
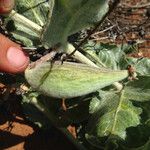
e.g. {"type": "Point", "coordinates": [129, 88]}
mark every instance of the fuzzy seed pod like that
{"type": "Point", "coordinates": [70, 79]}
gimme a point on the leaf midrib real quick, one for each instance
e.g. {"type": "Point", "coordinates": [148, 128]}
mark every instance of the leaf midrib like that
{"type": "Point", "coordinates": [117, 111]}
{"type": "Point", "coordinates": [35, 14]}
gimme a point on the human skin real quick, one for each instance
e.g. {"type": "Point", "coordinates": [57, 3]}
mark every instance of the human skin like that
{"type": "Point", "coordinates": [6, 6]}
{"type": "Point", "coordinates": [12, 57]}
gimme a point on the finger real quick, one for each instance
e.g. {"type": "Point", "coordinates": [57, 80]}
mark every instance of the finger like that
{"type": "Point", "coordinates": [6, 6]}
{"type": "Point", "coordinates": [12, 58]}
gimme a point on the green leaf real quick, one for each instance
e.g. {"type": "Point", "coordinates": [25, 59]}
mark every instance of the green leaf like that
{"type": "Point", "coordinates": [37, 12]}
{"type": "Point", "coordinates": [138, 90]}
{"type": "Point", "coordinates": [142, 135]}
{"type": "Point", "coordinates": [107, 55]}
{"type": "Point", "coordinates": [25, 35]}
{"type": "Point", "coordinates": [141, 65]}
{"type": "Point", "coordinates": [70, 79]}
{"type": "Point", "coordinates": [145, 116]}
{"type": "Point", "coordinates": [112, 114]}
{"type": "Point", "coordinates": [71, 16]}
{"type": "Point", "coordinates": [114, 56]}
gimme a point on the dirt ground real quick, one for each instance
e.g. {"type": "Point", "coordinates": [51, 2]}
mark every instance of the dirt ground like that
{"type": "Point", "coordinates": [17, 133]}
{"type": "Point", "coordinates": [129, 23]}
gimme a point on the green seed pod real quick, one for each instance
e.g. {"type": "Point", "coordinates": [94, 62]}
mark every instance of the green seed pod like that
{"type": "Point", "coordinates": [70, 79]}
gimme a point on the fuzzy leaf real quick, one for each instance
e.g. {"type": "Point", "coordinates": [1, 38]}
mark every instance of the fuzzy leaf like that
{"type": "Point", "coordinates": [70, 79]}
{"type": "Point", "coordinates": [112, 114]}
{"type": "Point", "coordinates": [71, 16]}
{"type": "Point", "coordinates": [145, 116]}
{"type": "Point", "coordinates": [36, 11]}
{"type": "Point", "coordinates": [107, 55]}
{"type": "Point", "coordinates": [140, 64]}
{"type": "Point", "coordinates": [114, 56]}
{"type": "Point", "coordinates": [138, 90]}
{"type": "Point", "coordinates": [142, 135]}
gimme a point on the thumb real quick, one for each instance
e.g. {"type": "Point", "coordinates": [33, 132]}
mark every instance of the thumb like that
{"type": "Point", "coordinates": [12, 58]}
{"type": "Point", "coordinates": [6, 6]}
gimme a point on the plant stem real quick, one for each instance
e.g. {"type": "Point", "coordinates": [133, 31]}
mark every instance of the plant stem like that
{"type": "Point", "coordinates": [72, 139]}
{"type": "Point", "coordinates": [25, 22]}
{"type": "Point", "coordinates": [53, 120]}
{"type": "Point", "coordinates": [43, 109]}
{"type": "Point", "coordinates": [79, 56]}
{"type": "Point", "coordinates": [38, 29]}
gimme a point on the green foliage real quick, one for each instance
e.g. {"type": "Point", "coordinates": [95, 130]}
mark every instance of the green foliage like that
{"type": "Point", "coordinates": [106, 55]}
{"type": "Point", "coordinates": [131, 113]}
{"type": "Point", "coordinates": [141, 134]}
{"type": "Point", "coordinates": [114, 116]}
{"type": "Point", "coordinates": [34, 10]}
{"type": "Point", "coordinates": [111, 115]}
{"type": "Point", "coordinates": [22, 31]}
{"type": "Point", "coordinates": [138, 90]}
{"type": "Point", "coordinates": [74, 16]}
{"type": "Point", "coordinates": [116, 119]}
{"type": "Point", "coordinates": [115, 57]}
{"type": "Point", "coordinates": [52, 17]}
{"type": "Point", "coordinates": [141, 65]}
{"type": "Point", "coordinates": [108, 119]}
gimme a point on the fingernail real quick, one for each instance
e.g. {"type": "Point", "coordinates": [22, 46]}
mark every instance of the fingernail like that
{"type": "Point", "coordinates": [16, 57]}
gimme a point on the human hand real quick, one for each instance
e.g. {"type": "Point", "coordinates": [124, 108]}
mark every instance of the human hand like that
{"type": "Point", "coordinates": [12, 58]}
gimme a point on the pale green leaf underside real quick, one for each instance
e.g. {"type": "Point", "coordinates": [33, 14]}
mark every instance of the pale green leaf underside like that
{"type": "Point", "coordinates": [112, 115]}
{"type": "Point", "coordinates": [142, 66]}
{"type": "Point", "coordinates": [70, 16]}
{"type": "Point", "coordinates": [34, 10]}
{"type": "Point", "coordinates": [70, 79]}
{"type": "Point", "coordinates": [106, 55]}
